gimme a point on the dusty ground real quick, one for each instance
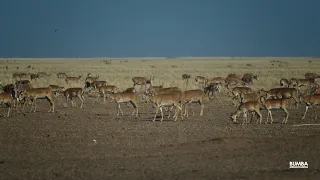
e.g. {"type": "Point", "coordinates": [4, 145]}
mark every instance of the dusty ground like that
{"type": "Point", "coordinates": [61, 145]}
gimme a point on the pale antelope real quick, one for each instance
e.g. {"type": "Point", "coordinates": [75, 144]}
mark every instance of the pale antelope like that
{"type": "Point", "coordinates": [252, 96]}
{"type": "Point", "coordinates": [56, 88]}
{"type": "Point", "coordinates": [6, 98]}
{"type": "Point", "coordinates": [237, 91]}
{"type": "Point", "coordinates": [201, 80]}
{"type": "Point", "coordinates": [71, 93]}
{"type": "Point", "coordinates": [38, 93]}
{"type": "Point", "coordinates": [287, 93]}
{"type": "Point", "coordinates": [311, 101]}
{"type": "Point", "coordinates": [124, 97]}
{"type": "Point", "coordinates": [245, 107]}
{"type": "Point", "coordinates": [193, 96]}
{"type": "Point", "coordinates": [71, 80]}
{"type": "Point", "coordinates": [43, 74]}
{"type": "Point", "coordinates": [98, 84]}
{"type": "Point", "coordinates": [231, 80]}
{"type": "Point", "coordinates": [62, 75]}
{"type": "Point", "coordinates": [270, 104]}
{"type": "Point", "coordinates": [106, 89]}
{"type": "Point", "coordinates": [216, 80]}
{"type": "Point", "coordinates": [20, 76]}
{"type": "Point", "coordinates": [89, 80]}
{"type": "Point", "coordinates": [142, 81]}
{"type": "Point", "coordinates": [167, 100]}
{"type": "Point", "coordinates": [284, 82]}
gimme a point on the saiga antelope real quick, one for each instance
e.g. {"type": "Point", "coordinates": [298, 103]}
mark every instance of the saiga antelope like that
{"type": "Point", "coordinates": [310, 101]}
{"type": "Point", "coordinates": [275, 104]}
{"type": "Point", "coordinates": [37, 93]}
{"type": "Point", "coordinates": [71, 93]}
{"type": "Point", "coordinates": [192, 96]}
{"type": "Point", "coordinates": [142, 81]}
{"type": "Point", "coordinates": [284, 82]}
{"type": "Point", "coordinates": [124, 97]}
{"type": "Point", "coordinates": [6, 98]}
{"type": "Point", "coordinates": [72, 79]}
{"type": "Point", "coordinates": [244, 108]}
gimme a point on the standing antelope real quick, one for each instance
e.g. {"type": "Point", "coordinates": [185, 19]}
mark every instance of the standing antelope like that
{"type": "Point", "coordinates": [104, 90]}
{"type": "Point", "coordinates": [6, 98]}
{"type": "Point", "coordinates": [283, 93]}
{"type": "Point", "coordinates": [231, 80]}
{"type": "Point", "coordinates": [186, 77]}
{"type": "Point", "coordinates": [56, 88]}
{"type": "Point", "coordinates": [71, 93]}
{"type": "Point", "coordinates": [213, 88]}
{"type": "Point", "coordinates": [310, 101]}
{"type": "Point", "coordinates": [244, 108]}
{"type": "Point", "coordinates": [193, 96]}
{"type": "Point", "coordinates": [89, 80]}
{"type": "Point", "coordinates": [62, 75]}
{"type": "Point", "coordinates": [284, 82]}
{"type": "Point", "coordinates": [38, 93]}
{"type": "Point", "coordinates": [142, 81]}
{"type": "Point", "coordinates": [201, 80]}
{"type": "Point", "coordinates": [249, 77]}
{"type": "Point", "coordinates": [275, 104]}
{"type": "Point", "coordinates": [70, 80]}
{"type": "Point", "coordinates": [215, 80]}
{"type": "Point", "coordinates": [98, 84]}
{"type": "Point", "coordinates": [122, 97]}
{"type": "Point", "coordinates": [311, 76]}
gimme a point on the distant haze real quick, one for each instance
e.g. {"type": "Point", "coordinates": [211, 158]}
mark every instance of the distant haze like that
{"type": "Point", "coordinates": [159, 28]}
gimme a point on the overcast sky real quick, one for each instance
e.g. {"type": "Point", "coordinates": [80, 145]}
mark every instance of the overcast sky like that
{"type": "Point", "coordinates": [159, 28]}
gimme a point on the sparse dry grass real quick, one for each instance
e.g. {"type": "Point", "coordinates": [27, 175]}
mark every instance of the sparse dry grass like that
{"type": "Point", "coordinates": [167, 71]}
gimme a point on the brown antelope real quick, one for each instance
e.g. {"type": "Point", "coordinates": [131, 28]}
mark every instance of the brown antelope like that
{"type": "Point", "coordinates": [130, 89]}
{"type": "Point", "coordinates": [311, 101]}
{"type": "Point", "coordinates": [311, 76]}
{"type": "Point", "coordinates": [237, 91]}
{"type": "Point", "coordinates": [142, 81]}
{"type": "Point", "coordinates": [284, 82]}
{"type": "Point", "coordinates": [98, 84]}
{"type": "Point", "coordinates": [201, 80]}
{"type": "Point", "coordinates": [193, 96]}
{"type": "Point", "coordinates": [283, 93]}
{"type": "Point", "coordinates": [89, 80]}
{"type": "Point", "coordinates": [56, 88]}
{"type": "Point", "coordinates": [252, 96]}
{"type": "Point", "coordinates": [244, 108]}
{"type": "Point", "coordinates": [249, 77]}
{"type": "Point", "coordinates": [122, 97]}
{"type": "Point", "coordinates": [70, 80]}
{"type": "Point", "coordinates": [167, 100]}
{"type": "Point", "coordinates": [213, 88]}
{"type": "Point", "coordinates": [302, 82]}
{"type": "Point", "coordinates": [186, 77]}
{"type": "Point", "coordinates": [6, 98]}
{"type": "Point", "coordinates": [104, 90]}
{"type": "Point", "coordinates": [38, 93]}
{"type": "Point", "coordinates": [62, 75]}
{"type": "Point", "coordinates": [71, 93]}
{"type": "Point", "coordinates": [270, 104]}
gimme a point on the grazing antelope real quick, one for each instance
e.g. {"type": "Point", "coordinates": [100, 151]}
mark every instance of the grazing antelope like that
{"type": "Point", "coordinates": [122, 97]}
{"type": "Point", "coordinates": [71, 93]}
{"type": "Point", "coordinates": [311, 101]}
{"type": "Point", "coordinates": [142, 81]}
{"type": "Point", "coordinates": [186, 77]}
{"type": "Point", "coordinates": [201, 80]}
{"type": "Point", "coordinates": [213, 88]}
{"type": "Point", "coordinates": [311, 76]}
{"type": "Point", "coordinates": [270, 104]}
{"type": "Point", "coordinates": [73, 79]}
{"type": "Point", "coordinates": [98, 84]}
{"type": "Point", "coordinates": [193, 96]}
{"type": "Point", "coordinates": [6, 98]}
{"type": "Point", "coordinates": [38, 93]}
{"type": "Point", "coordinates": [62, 75]}
{"type": "Point", "coordinates": [244, 108]}
{"type": "Point", "coordinates": [89, 80]}
{"type": "Point", "coordinates": [284, 82]}
{"type": "Point", "coordinates": [167, 100]}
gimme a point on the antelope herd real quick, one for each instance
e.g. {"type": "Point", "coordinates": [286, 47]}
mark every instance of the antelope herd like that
{"type": "Point", "coordinates": [239, 88]}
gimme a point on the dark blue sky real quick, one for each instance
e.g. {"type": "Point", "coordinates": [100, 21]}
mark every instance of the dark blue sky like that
{"type": "Point", "coordinates": [159, 28]}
